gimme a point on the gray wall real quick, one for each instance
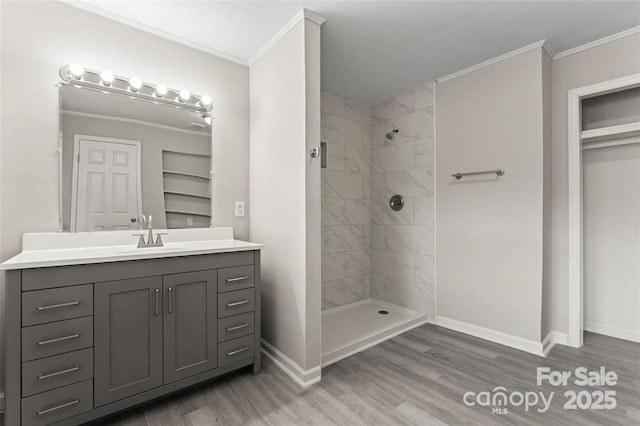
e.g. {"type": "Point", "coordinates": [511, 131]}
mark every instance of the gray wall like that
{"type": "Point", "coordinates": [153, 140]}
{"type": "Point", "coordinates": [490, 230]}
{"type": "Point", "coordinates": [607, 61]}
{"type": "Point", "coordinates": [346, 216]}
{"type": "Point", "coordinates": [36, 39]}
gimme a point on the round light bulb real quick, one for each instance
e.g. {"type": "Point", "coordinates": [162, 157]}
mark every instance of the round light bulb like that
{"type": "Point", "coordinates": [184, 95]}
{"type": "Point", "coordinates": [106, 77]}
{"type": "Point", "coordinates": [135, 84]}
{"type": "Point", "coordinates": [76, 70]}
{"type": "Point", "coordinates": [205, 100]}
{"type": "Point", "coordinates": [161, 90]}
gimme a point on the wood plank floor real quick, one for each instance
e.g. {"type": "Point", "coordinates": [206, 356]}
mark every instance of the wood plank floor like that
{"type": "Point", "coordinates": [418, 378]}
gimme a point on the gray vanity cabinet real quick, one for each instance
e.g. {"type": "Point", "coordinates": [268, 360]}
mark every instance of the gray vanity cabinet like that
{"type": "Point", "coordinates": [128, 338]}
{"type": "Point", "coordinates": [88, 340]}
{"type": "Point", "coordinates": [190, 324]}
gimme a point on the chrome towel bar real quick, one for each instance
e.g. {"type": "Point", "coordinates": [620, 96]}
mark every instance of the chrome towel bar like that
{"type": "Point", "coordinates": [459, 175]}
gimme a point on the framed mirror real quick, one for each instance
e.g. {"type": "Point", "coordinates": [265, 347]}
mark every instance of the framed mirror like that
{"type": "Point", "coordinates": [123, 157]}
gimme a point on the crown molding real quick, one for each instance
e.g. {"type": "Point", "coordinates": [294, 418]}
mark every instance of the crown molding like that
{"type": "Point", "coordinates": [78, 4]}
{"type": "Point", "coordinates": [302, 14]}
{"type": "Point", "coordinates": [598, 42]}
{"type": "Point", "coordinates": [492, 61]}
{"type": "Point", "coordinates": [548, 49]}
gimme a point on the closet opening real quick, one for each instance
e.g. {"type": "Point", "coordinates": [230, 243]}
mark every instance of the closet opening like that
{"type": "Point", "coordinates": [604, 194]}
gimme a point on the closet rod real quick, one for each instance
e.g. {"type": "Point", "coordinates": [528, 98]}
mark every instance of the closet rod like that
{"type": "Point", "coordinates": [610, 142]}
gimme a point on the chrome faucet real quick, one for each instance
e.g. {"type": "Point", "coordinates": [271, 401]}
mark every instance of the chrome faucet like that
{"type": "Point", "coordinates": [149, 242]}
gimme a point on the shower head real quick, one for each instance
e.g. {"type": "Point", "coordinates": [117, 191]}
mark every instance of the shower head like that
{"type": "Point", "coordinates": [390, 134]}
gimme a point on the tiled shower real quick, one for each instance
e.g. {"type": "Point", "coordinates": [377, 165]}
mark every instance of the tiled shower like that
{"type": "Point", "coordinates": [370, 250]}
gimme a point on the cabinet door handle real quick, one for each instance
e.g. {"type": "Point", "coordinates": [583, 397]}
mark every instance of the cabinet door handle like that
{"type": "Point", "coordinates": [233, 280]}
{"type": "Point", "coordinates": [58, 407]}
{"type": "Point", "coordinates": [58, 373]}
{"type": "Point", "coordinates": [234, 304]}
{"type": "Point", "coordinates": [157, 302]}
{"type": "Point", "coordinates": [237, 351]}
{"type": "Point", "coordinates": [58, 339]}
{"type": "Point", "coordinates": [170, 300]}
{"type": "Point", "coordinates": [238, 327]}
{"type": "Point", "coordinates": [59, 305]}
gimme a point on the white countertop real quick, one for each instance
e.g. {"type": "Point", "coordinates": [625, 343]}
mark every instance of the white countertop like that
{"type": "Point", "coordinates": [60, 249]}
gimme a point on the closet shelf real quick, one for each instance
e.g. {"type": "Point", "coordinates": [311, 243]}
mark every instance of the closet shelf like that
{"type": "Point", "coordinates": [187, 194]}
{"type": "Point", "coordinates": [611, 132]}
{"type": "Point", "coordinates": [187, 213]}
{"type": "Point", "coordinates": [174, 172]}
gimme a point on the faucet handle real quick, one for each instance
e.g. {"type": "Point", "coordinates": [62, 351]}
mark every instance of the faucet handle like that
{"type": "Point", "coordinates": [159, 238]}
{"type": "Point", "coordinates": [141, 242]}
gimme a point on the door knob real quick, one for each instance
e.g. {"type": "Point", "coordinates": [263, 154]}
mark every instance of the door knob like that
{"type": "Point", "coordinates": [134, 220]}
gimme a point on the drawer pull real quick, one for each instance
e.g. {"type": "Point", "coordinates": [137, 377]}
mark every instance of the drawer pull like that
{"type": "Point", "coordinates": [58, 339]}
{"type": "Point", "coordinates": [234, 304]}
{"type": "Point", "coordinates": [58, 407]}
{"type": "Point", "coordinates": [238, 327]}
{"type": "Point", "coordinates": [59, 305]}
{"type": "Point", "coordinates": [233, 280]}
{"type": "Point", "coordinates": [237, 351]}
{"type": "Point", "coordinates": [58, 373]}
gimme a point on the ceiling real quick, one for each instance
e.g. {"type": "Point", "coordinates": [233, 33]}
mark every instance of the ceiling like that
{"type": "Point", "coordinates": [373, 50]}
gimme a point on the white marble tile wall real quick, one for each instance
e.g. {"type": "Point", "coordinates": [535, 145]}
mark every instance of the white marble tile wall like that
{"type": "Point", "coordinates": [402, 243]}
{"type": "Point", "coordinates": [368, 249]}
{"type": "Point", "coordinates": [346, 208]}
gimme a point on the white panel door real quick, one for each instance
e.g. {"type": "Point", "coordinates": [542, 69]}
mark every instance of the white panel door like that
{"type": "Point", "coordinates": [108, 184]}
{"type": "Point", "coordinates": [611, 227]}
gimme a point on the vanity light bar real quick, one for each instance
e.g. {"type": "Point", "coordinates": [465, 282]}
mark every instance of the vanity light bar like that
{"type": "Point", "coordinates": [133, 87]}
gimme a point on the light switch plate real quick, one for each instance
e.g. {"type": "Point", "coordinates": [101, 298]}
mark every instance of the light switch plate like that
{"type": "Point", "coordinates": [239, 208]}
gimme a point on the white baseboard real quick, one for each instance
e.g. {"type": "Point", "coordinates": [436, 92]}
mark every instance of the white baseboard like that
{"type": "Point", "coordinates": [619, 333]}
{"type": "Point", "coordinates": [552, 339]}
{"type": "Point", "coordinates": [495, 336]}
{"type": "Point", "coordinates": [302, 377]}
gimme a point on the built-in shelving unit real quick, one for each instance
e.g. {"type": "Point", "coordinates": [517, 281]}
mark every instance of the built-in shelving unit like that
{"type": "Point", "coordinates": [187, 189]}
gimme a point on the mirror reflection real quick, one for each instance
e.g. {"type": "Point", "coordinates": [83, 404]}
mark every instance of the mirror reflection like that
{"type": "Point", "coordinates": [124, 157]}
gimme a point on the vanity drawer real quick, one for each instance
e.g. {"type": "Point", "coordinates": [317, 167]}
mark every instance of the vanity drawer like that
{"type": "Point", "coordinates": [55, 338]}
{"type": "Point", "coordinates": [57, 304]}
{"type": "Point", "coordinates": [236, 302]}
{"type": "Point", "coordinates": [61, 370]}
{"type": "Point", "coordinates": [235, 326]}
{"type": "Point", "coordinates": [238, 278]}
{"type": "Point", "coordinates": [52, 406]}
{"type": "Point", "coordinates": [236, 350]}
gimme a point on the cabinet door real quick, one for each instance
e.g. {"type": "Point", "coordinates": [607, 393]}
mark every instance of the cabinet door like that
{"type": "Point", "coordinates": [128, 338]}
{"type": "Point", "coordinates": [190, 324]}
